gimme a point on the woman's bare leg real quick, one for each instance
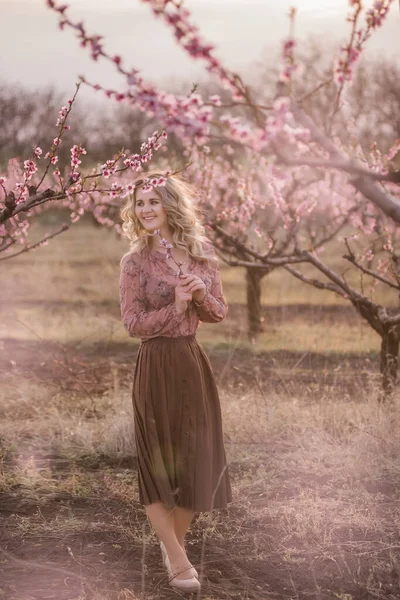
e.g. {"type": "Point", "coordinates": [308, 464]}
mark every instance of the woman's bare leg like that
{"type": "Point", "coordinates": [163, 522]}
{"type": "Point", "coordinates": [183, 517]}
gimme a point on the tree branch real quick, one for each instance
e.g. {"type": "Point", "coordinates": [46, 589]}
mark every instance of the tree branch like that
{"type": "Point", "coordinates": [263, 258]}
{"type": "Point", "coordinates": [267, 262]}
{"type": "Point", "coordinates": [342, 165]}
{"type": "Point", "coordinates": [351, 258]}
{"type": "Point", "coordinates": [336, 231]}
{"type": "Point", "coordinates": [388, 319]}
{"type": "Point", "coordinates": [371, 190]}
{"type": "Point", "coordinates": [11, 211]}
{"type": "Point", "coordinates": [353, 295]}
{"type": "Point", "coordinates": [315, 282]}
{"type": "Point", "coordinates": [32, 246]}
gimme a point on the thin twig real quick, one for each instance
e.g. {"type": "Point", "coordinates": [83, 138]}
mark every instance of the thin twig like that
{"type": "Point", "coordinates": [32, 246]}
{"type": "Point", "coordinates": [352, 260]}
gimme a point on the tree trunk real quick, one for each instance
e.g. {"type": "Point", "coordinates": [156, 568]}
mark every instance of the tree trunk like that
{"type": "Point", "coordinates": [389, 362]}
{"type": "Point", "coordinates": [255, 320]}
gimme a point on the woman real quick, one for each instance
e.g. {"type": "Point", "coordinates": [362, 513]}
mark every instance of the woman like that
{"type": "Point", "coordinates": [169, 282]}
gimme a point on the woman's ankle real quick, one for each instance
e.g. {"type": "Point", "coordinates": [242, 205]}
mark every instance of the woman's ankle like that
{"type": "Point", "coordinates": [183, 569]}
{"type": "Point", "coordinates": [177, 554]}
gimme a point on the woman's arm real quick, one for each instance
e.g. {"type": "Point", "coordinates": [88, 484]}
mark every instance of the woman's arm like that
{"type": "Point", "coordinates": [214, 306]}
{"type": "Point", "coordinates": [137, 320]}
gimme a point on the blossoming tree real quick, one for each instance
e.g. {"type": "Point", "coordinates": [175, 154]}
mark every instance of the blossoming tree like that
{"type": "Point", "coordinates": [339, 180]}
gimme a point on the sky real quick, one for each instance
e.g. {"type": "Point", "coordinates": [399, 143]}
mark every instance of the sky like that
{"type": "Point", "coordinates": [35, 53]}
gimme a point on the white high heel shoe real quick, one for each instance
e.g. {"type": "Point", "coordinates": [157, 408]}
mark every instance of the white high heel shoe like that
{"type": "Point", "coordinates": [168, 564]}
{"type": "Point", "coordinates": [185, 585]}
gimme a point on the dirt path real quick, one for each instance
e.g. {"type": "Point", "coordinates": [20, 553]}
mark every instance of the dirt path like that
{"type": "Point", "coordinates": [64, 546]}
{"type": "Point", "coordinates": [96, 543]}
{"type": "Point", "coordinates": [75, 531]}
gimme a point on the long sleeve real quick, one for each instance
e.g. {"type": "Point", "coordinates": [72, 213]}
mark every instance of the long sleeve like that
{"type": "Point", "coordinates": [214, 306]}
{"type": "Point", "coordinates": [138, 321]}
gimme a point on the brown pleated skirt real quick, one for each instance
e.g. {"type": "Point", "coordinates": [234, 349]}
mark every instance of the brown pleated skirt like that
{"type": "Point", "coordinates": [178, 427]}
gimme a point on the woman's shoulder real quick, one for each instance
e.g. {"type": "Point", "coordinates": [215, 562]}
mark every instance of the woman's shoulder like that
{"type": "Point", "coordinates": [129, 257]}
{"type": "Point", "coordinates": [132, 258]}
{"type": "Point", "coordinates": [208, 248]}
{"type": "Point", "coordinates": [209, 252]}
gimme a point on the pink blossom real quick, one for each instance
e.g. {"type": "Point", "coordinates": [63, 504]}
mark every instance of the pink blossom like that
{"type": "Point", "coordinates": [377, 14]}
{"type": "Point", "coordinates": [288, 46]}
{"type": "Point", "coordinates": [133, 162]}
{"type": "Point", "coordinates": [30, 169]}
{"type": "Point", "coordinates": [215, 100]}
{"type": "Point", "coordinates": [62, 115]}
{"type": "Point", "coordinates": [288, 67]}
{"type": "Point", "coordinates": [345, 64]}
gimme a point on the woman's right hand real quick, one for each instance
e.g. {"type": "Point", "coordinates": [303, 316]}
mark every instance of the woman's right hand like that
{"type": "Point", "coordinates": [181, 298]}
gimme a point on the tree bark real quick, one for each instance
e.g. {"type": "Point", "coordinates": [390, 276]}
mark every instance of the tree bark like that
{"type": "Point", "coordinates": [255, 320]}
{"type": "Point", "coordinates": [389, 362]}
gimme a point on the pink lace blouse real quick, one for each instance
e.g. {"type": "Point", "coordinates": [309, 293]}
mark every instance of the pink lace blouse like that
{"type": "Point", "coordinates": [147, 296]}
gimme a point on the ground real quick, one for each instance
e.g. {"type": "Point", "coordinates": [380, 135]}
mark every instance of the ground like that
{"type": "Point", "coordinates": [313, 456]}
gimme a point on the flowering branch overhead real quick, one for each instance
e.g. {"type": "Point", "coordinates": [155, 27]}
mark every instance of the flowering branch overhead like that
{"type": "Point", "coordinates": [275, 188]}
{"type": "Point", "coordinates": [187, 35]}
{"type": "Point", "coordinates": [377, 195]}
{"type": "Point", "coordinates": [21, 197]}
{"type": "Point", "coordinates": [353, 260]}
{"type": "Point", "coordinates": [347, 165]}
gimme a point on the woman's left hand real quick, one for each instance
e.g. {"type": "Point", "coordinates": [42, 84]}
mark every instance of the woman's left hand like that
{"type": "Point", "coordinates": [194, 285]}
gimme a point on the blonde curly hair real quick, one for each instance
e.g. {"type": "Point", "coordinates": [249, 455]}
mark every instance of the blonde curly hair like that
{"type": "Point", "coordinates": [183, 216]}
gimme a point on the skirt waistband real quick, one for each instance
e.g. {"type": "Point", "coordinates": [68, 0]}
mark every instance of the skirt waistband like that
{"type": "Point", "coordinates": [170, 340]}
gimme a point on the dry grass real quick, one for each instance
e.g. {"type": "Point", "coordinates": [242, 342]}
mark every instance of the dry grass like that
{"type": "Point", "coordinates": [314, 484]}
{"type": "Point", "coordinates": [313, 457]}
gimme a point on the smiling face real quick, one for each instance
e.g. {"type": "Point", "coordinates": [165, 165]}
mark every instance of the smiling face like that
{"type": "Point", "coordinates": [150, 211]}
